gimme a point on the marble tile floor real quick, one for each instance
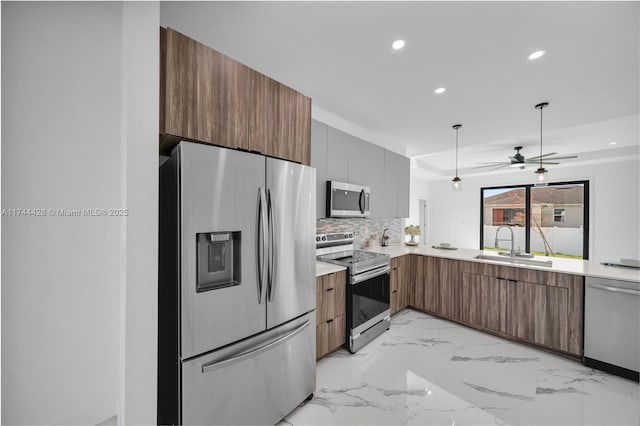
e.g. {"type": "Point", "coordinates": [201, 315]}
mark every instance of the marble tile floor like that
{"type": "Point", "coordinates": [428, 371]}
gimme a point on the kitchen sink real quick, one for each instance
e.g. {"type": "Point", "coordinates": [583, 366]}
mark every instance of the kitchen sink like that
{"type": "Point", "coordinates": [515, 260]}
{"type": "Point", "coordinates": [525, 255]}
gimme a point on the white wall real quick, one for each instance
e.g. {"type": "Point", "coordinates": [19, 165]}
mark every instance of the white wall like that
{"type": "Point", "coordinates": [76, 134]}
{"type": "Point", "coordinates": [614, 206]}
{"type": "Point", "coordinates": [418, 190]}
{"type": "Point", "coordinates": [139, 231]}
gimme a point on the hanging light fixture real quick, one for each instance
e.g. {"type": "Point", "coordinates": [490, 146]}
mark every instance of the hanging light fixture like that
{"type": "Point", "coordinates": [541, 170]}
{"type": "Point", "coordinates": [457, 182]}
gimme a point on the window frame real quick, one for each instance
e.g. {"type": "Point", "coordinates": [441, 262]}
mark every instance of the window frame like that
{"type": "Point", "coordinates": [527, 187]}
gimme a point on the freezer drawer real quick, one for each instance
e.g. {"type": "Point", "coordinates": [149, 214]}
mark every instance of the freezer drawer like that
{"type": "Point", "coordinates": [258, 381]}
{"type": "Point", "coordinates": [611, 328]}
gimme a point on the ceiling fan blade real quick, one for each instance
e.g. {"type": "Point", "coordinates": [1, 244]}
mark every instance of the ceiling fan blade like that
{"type": "Point", "coordinates": [562, 158]}
{"type": "Point", "coordinates": [490, 165]}
{"type": "Point", "coordinates": [494, 162]}
{"type": "Point", "coordinates": [548, 162]}
{"type": "Point", "coordinates": [566, 157]}
{"type": "Point", "coordinates": [500, 167]}
{"type": "Point", "coordinates": [541, 156]}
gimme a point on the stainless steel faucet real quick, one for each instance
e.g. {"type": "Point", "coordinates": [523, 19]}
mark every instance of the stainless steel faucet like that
{"type": "Point", "coordinates": [512, 252]}
{"type": "Point", "coordinates": [385, 238]}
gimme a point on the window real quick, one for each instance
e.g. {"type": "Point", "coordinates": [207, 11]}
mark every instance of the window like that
{"type": "Point", "coordinates": [550, 220]}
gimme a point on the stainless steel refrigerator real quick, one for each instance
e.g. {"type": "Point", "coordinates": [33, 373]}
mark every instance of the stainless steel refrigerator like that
{"type": "Point", "coordinates": [236, 329]}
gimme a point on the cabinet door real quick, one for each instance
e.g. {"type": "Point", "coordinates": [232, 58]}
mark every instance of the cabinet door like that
{"type": "Point", "coordinates": [376, 181]}
{"type": "Point", "coordinates": [404, 182]}
{"type": "Point", "coordinates": [302, 135]}
{"type": "Point", "coordinates": [279, 120]}
{"type": "Point", "coordinates": [432, 284]}
{"type": "Point", "coordinates": [539, 314]}
{"type": "Point", "coordinates": [263, 117]}
{"type": "Point", "coordinates": [484, 301]}
{"type": "Point", "coordinates": [389, 203]}
{"type": "Point", "coordinates": [330, 296]}
{"type": "Point", "coordinates": [417, 279]}
{"type": "Point", "coordinates": [319, 161]}
{"type": "Point", "coordinates": [324, 302]}
{"type": "Point", "coordinates": [450, 288]}
{"type": "Point", "coordinates": [284, 145]}
{"type": "Point", "coordinates": [339, 283]}
{"type": "Point", "coordinates": [402, 283]}
{"type": "Point", "coordinates": [205, 93]}
{"type": "Point", "coordinates": [396, 295]}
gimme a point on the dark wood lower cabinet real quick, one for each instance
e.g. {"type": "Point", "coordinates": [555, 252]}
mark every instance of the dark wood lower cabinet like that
{"type": "Point", "coordinates": [330, 312]}
{"type": "Point", "coordinates": [330, 335]}
{"type": "Point", "coordinates": [431, 268]}
{"type": "Point", "coordinates": [538, 307]}
{"type": "Point", "coordinates": [399, 286]}
{"type": "Point", "coordinates": [484, 301]}
{"type": "Point", "coordinates": [450, 288]}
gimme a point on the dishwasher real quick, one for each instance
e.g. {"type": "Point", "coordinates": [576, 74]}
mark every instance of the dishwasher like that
{"type": "Point", "coordinates": [612, 326]}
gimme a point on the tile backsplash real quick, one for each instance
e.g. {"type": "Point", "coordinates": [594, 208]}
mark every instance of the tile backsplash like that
{"type": "Point", "coordinates": [363, 228]}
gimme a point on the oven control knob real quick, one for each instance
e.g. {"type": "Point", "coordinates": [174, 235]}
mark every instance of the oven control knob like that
{"type": "Point", "coordinates": [350, 235]}
{"type": "Point", "coordinates": [324, 238]}
{"type": "Point", "coordinates": [317, 238]}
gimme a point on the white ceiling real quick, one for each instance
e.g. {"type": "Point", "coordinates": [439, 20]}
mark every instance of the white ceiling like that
{"type": "Point", "coordinates": [339, 54]}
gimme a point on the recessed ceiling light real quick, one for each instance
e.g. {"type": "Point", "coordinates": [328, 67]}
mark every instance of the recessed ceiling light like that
{"type": "Point", "coordinates": [535, 55]}
{"type": "Point", "coordinates": [612, 143]}
{"type": "Point", "coordinates": [398, 44]}
{"type": "Point", "coordinates": [440, 90]}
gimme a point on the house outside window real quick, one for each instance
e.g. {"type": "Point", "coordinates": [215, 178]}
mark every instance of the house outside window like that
{"type": "Point", "coordinates": [550, 220]}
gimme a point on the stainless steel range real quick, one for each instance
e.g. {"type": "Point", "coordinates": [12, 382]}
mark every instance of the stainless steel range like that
{"type": "Point", "coordinates": [368, 313]}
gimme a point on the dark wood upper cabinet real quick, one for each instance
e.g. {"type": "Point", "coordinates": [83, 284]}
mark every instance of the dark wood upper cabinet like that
{"type": "Point", "coordinates": [263, 116]}
{"type": "Point", "coordinates": [206, 96]}
{"type": "Point", "coordinates": [280, 120]}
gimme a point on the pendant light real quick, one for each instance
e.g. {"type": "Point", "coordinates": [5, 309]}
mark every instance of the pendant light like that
{"type": "Point", "coordinates": [541, 170]}
{"type": "Point", "coordinates": [457, 182]}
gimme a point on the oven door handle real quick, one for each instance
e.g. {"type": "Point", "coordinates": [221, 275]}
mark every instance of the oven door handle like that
{"type": "Point", "coordinates": [368, 275]}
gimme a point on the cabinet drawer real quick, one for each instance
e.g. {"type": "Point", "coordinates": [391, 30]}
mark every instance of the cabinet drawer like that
{"type": "Point", "coordinates": [330, 296]}
{"type": "Point", "coordinates": [330, 335]}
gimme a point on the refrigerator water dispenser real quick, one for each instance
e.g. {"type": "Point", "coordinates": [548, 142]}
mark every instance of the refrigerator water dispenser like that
{"type": "Point", "coordinates": [218, 260]}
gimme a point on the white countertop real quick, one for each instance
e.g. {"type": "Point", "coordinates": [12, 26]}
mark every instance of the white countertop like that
{"type": "Point", "coordinates": [324, 268]}
{"type": "Point", "coordinates": [588, 268]}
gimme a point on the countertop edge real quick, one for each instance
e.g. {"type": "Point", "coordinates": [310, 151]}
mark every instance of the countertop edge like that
{"type": "Point", "coordinates": [585, 268]}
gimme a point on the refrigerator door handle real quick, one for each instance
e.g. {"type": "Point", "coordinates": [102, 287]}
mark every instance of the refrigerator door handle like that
{"type": "Point", "coordinates": [273, 248]}
{"type": "Point", "coordinates": [261, 241]}
{"type": "Point", "coordinates": [210, 366]}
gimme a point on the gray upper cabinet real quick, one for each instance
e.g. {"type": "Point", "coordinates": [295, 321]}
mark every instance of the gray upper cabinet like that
{"type": "Point", "coordinates": [396, 173]}
{"type": "Point", "coordinates": [376, 181]}
{"type": "Point", "coordinates": [338, 156]}
{"type": "Point", "coordinates": [403, 168]}
{"type": "Point", "coordinates": [319, 161]}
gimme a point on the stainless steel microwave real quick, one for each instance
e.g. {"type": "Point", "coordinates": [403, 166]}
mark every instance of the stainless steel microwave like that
{"type": "Point", "coordinates": [347, 200]}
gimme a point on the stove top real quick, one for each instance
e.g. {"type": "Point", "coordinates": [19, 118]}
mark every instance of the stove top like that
{"type": "Point", "coordinates": [357, 261]}
{"type": "Point", "coordinates": [338, 249]}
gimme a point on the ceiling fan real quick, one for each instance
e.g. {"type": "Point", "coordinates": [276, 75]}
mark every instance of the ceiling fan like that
{"type": "Point", "coordinates": [519, 160]}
